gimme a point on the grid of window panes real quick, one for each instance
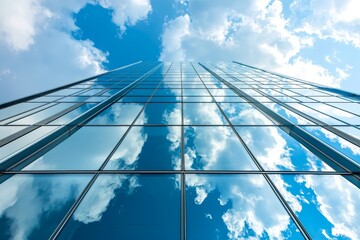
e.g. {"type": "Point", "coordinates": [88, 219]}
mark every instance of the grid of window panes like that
{"type": "Point", "coordinates": [181, 151]}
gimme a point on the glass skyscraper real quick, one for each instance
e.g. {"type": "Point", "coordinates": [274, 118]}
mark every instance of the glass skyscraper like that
{"type": "Point", "coordinates": [181, 151]}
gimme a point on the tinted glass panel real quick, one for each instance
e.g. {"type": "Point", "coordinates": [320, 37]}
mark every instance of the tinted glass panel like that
{"type": "Point", "coordinates": [128, 207]}
{"type": "Point", "coordinates": [86, 149]}
{"type": "Point", "coordinates": [331, 202]}
{"type": "Point", "coordinates": [235, 207]}
{"type": "Point", "coordinates": [31, 206]}
{"type": "Point", "coordinates": [148, 148]}
{"type": "Point", "coordinates": [118, 113]}
{"type": "Point", "coordinates": [215, 148]}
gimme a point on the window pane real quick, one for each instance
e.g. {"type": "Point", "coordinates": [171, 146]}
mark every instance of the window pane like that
{"type": "Point", "coordinates": [86, 149]}
{"type": "Point", "coordinates": [118, 113]}
{"type": "Point", "coordinates": [235, 207]}
{"type": "Point", "coordinates": [203, 113]}
{"type": "Point", "coordinates": [128, 207]}
{"type": "Point", "coordinates": [244, 114]}
{"type": "Point", "coordinates": [276, 150]}
{"type": "Point", "coordinates": [161, 113]}
{"type": "Point", "coordinates": [332, 202]}
{"type": "Point", "coordinates": [148, 148]}
{"type": "Point", "coordinates": [18, 144]}
{"type": "Point", "coordinates": [31, 206]}
{"type": "Point", "coordinates": [215, 148]}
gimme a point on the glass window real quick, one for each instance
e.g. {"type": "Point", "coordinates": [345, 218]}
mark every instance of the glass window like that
{"type": "Point", "coordinates": [195, 92]}
{"type": "Point", "coordinates": [118, 113]}
{"type": "Point", "coordinates": [235, 207]}
{"type": "Point", "coordinates": [39, 116]}
{"type": "Point", "coordinates": [20, 143]}
{"type": "Point", "coordinates": [6, 131]}
{"type": "Point", "coordinates": [339, 143]}
{"type": "Point", "coordinates": [203, 113]}
{"type": "Point", "coordinates": [86, 149]}
{"type": "Point", "coordinates": [335, 112]}
{"type": "Point", "coordinates": [276, 150]}
{"type": "Point", "coordinates": [148, 148]}
{"type": "Point", "coordinates": [33, 205]}
{"type": "Point", "coordinates": [16, 109]}
{"type": "Point", "coordinates": [316, 114]}
{"type": "Point", "coordinates": [244, 114]}
{"type": "Point", "coordinates": [215, 148]}
{"type": "Point", "coordinates": [73, 114]}
{"type": "Point", "coordinates": [128, 207]}
{"type": "Point", "coordinates": [332, 202]}
{"type": "Point", "coordinates": [288, 114]}
{"type": "Point", "coordinates": [161, 113]}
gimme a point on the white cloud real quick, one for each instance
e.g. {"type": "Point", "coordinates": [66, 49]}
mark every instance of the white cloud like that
{"type": "Point", "coordinates": [19, 22]}
{"type": "Point", "coordinates": [338, 20]}
{"type": "Point", "coordinates": [38, 49]}
{"type": "Point", "coordinates": [127, 12]}
{"type": "Point", "coordinates": [172, 37]}
{"type": "Point", "coordinates": [253, 32]}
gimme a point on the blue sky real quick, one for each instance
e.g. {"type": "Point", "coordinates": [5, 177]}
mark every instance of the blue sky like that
{"type": "Point", "coordinates": [44, 44]}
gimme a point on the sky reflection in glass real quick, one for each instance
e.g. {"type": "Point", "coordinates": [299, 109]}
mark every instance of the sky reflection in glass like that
{"type": "Point", "coordinates": [128, 207]}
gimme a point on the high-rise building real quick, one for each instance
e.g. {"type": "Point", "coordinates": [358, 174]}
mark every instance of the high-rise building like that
{"type": "Point", "coordinates": [181, 151]}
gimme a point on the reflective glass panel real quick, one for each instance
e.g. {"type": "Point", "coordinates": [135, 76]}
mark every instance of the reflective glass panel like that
{"type": "Point", "coordinates": [215, 148]}
{"type": "Point", "coordinates": [118, 113]}
{"type": "Point", "coordinates": [128, 207]}
{"type": "Point", "coordinates": [161, 113]}
{"type": "Point", "coordinates": [327, 206]}
{"type": "Point", "coordinates": [276, 150]}
{"type": "Point", "coordinates": [21, 142]}
{"type": "Point", "coordinates": [148, 148]}
{"type": "Point", "coordinates": [244, 114]}
{"type": "Point", "coordinates": [235, 207]}
{"type": "Point", "coordinates": [86, 149]}
{"type": "Point", "coordinates": [203, 113]}
{"type": "Point", "coordinates": [339, 143]}
{"type": "Point", "coordinates": [31, 206]}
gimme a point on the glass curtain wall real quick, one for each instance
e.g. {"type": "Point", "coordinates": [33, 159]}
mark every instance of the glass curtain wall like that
{"type": "Point", "coordinates": [181, 151]}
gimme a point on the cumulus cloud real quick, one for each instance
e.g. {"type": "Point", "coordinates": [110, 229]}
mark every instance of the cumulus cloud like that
{"type": "Point", "coordinates": [37, 46]}
{"type": "Point", "coordinates": [338, 20]}
{"type": "Point", "coordinates": [256, 33]}
{"type": "Point", "coordinates": [127, 12]}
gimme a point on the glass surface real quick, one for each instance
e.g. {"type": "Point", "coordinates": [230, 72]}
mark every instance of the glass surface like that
{"type": "Point", "coordinates": [148, 148]}
{"type": "Point", "coordinates": [31, 206]}
{"type": "Point", "coordinates": [86, 149]}
{"type": "Point", "coordinates": [73, 114]}
{"type": "Point", "coordinates": [195, 92]}
{"type": "Point", "coordinates": [118, 113]}
{"type": "Point", "coordinates": [327, 206]}
{"type": "Point", "coordinates": [45, 99]}
{"type": "Point", "coordinates": [203, 113]}
{"type": "Point", "coordinates": [355, 132]}
{"type": "Point", "coordinates": [46, 113]}
{"type": "Point", "coordinates": [16, 109]}
{"type": "Point", "coordinates": [276, 150]}
{"type": "Point", "coordinates": [339, 143]}
{"type": "Point", "coordinates": [335, 112]}
{"type": "Point", "coordinates": [244, 114]}
{"type": "Point", "coordinates": [215, 148]}
{"type": "Point", "coordinates": [128, 207]}
{"type": "Point", "coordinates": [6, 131]}
{"type": "Point", "coordinates": [288, 114]}
{"type": "Point", "coordinates": [161, 113]}
{"type": "Point", "coordinates": [235, 207]}
{"type": "Point", "coordinates": [315, 114]}
{"type": "Point", "coordinates": [24, 141]}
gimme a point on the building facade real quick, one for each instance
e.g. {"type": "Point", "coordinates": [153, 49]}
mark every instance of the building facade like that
{"type": "Point", "coordinates": [181, 151]}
